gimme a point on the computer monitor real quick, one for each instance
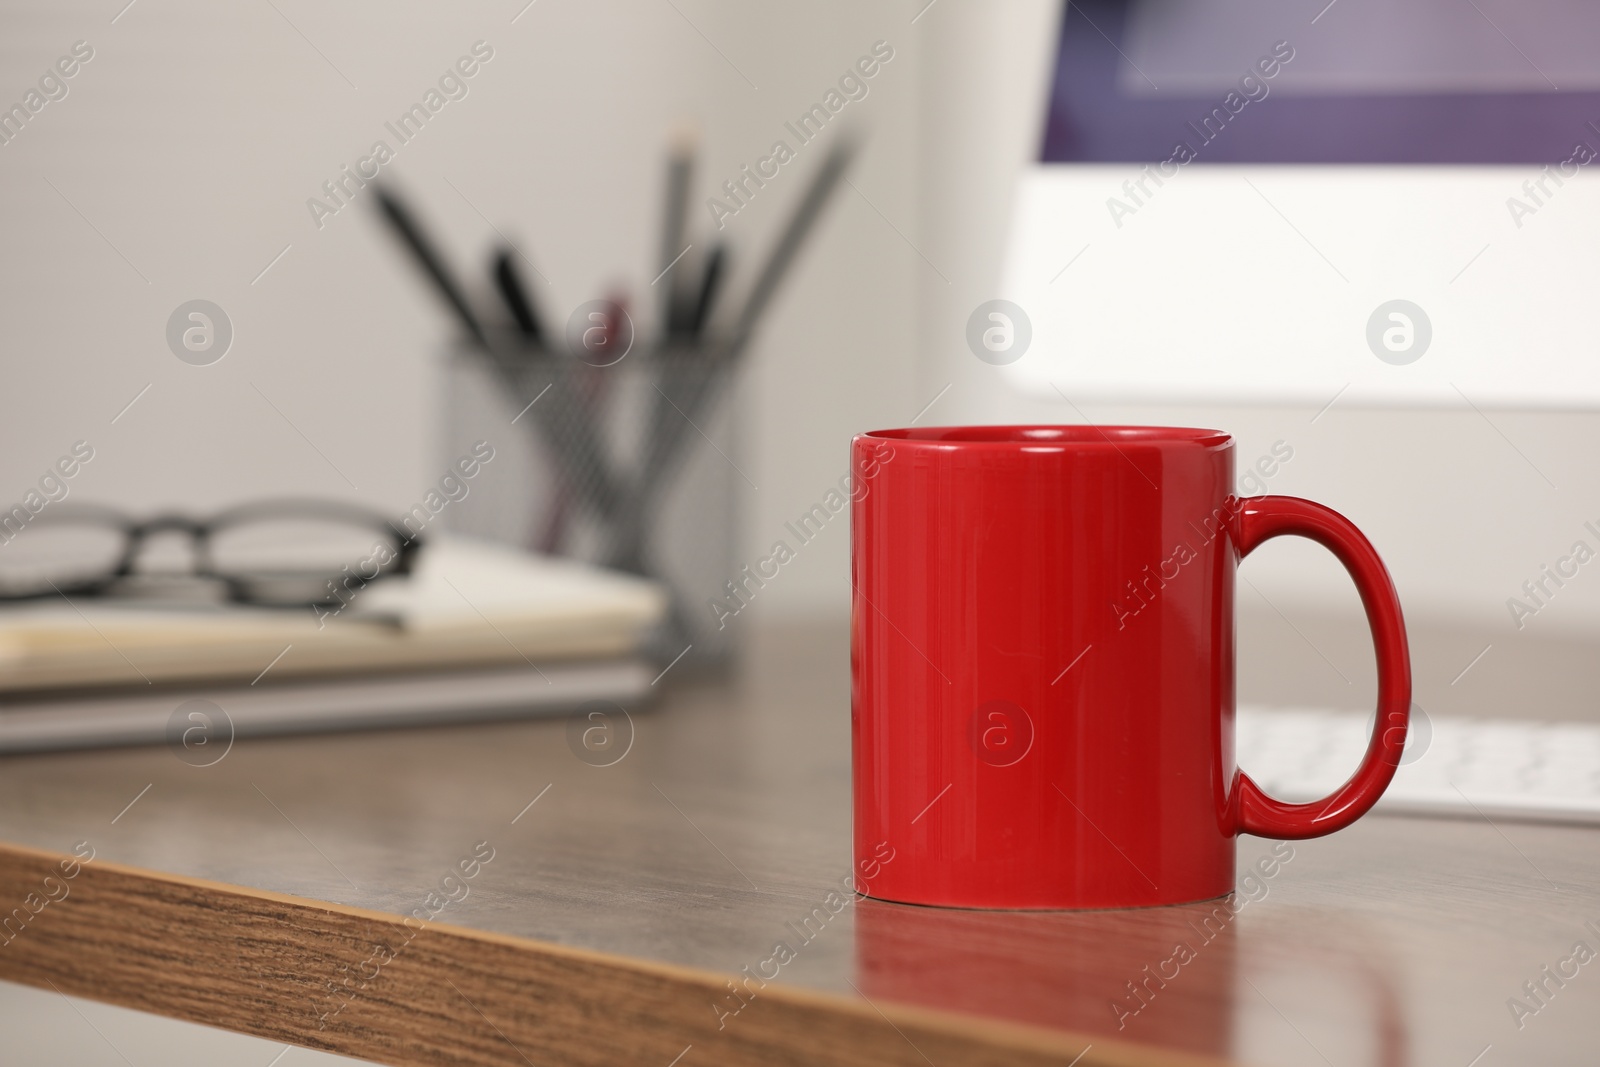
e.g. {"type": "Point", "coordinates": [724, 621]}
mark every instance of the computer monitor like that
{"type": "Point", "coordinates": [1247, 200]}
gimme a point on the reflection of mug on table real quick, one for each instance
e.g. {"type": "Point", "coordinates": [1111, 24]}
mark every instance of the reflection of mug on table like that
{"type": "Point", "coordinates": [1195, 977]}
{"type": "Point", "coordinates": [1111, 973]}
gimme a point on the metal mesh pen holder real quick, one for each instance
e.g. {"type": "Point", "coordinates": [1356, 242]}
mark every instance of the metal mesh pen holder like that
{"type": "Point", "coordinates": [613, 465]}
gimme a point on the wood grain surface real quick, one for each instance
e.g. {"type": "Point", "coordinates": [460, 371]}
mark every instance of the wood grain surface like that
{"type": "Point", "coordinates": [619, 900]}
{"type": "Point", "coordinates": [261, 963]}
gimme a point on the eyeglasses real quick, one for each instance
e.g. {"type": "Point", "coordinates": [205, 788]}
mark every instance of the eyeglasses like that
{"type": "Point", "coordinates": [271, 553]}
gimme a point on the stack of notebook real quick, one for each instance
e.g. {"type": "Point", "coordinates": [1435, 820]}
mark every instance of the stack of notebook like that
{"type": "Point", "coordinates": [478, 631]}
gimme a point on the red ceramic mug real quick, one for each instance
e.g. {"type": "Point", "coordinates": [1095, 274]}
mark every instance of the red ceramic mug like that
{"type": "Point", "coordinates": [1043, 665]}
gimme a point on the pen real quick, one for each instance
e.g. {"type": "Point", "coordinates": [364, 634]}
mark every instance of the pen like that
{"type": "Point", "coordinates": [428, 258]}
{"type": "Point", "coordinates": [574, 441]}
{"type": "Point", "coordinates": [708, 291]}
{"type": "Point", "coordinates": [518, 299]}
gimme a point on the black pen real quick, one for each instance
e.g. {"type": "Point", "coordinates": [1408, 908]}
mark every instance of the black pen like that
{"type": "Point", "coordinates": [707, 296]}
{"type": "Point", "coordinates": [428, 259]}
{"type": "Point", "coordinates": [517, 297]}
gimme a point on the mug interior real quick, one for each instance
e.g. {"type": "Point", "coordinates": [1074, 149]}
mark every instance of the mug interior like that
{"type": "Point", "coordinates": [1075, 436]}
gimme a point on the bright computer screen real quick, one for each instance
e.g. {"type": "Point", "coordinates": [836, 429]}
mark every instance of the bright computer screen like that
{"type": "Point", "coordinates": [1257, 200]}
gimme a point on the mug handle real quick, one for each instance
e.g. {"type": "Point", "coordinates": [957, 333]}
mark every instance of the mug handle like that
{"type": "Point", "coordinates": [1258, 519]}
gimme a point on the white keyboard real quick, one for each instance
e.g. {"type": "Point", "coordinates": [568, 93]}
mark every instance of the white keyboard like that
{"type": "Point", "coordinates": [1471, 768]}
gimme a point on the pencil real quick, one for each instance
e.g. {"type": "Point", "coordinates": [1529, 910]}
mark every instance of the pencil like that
{"type": "Point", "coordinates": [788, 246]}
{"type": "Point", "coordinates": [696, 380]}
{"type": "Point", "coordinates": [680, 170]}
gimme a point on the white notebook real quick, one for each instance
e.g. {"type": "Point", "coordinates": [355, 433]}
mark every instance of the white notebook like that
{"type": "Point", "coordinates": [469, 603]}
{"type": "Point", "coordinates": [221, 715]}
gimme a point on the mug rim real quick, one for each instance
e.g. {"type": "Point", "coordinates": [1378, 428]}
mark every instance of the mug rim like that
{"type": "Point", "coordinates": [1051, 436]}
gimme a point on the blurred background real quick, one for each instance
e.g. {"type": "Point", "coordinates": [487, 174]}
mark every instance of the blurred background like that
{"type": "Point", "coordinates": [180, 164]}
{"type": "Point", "coordinates": [180, 160]}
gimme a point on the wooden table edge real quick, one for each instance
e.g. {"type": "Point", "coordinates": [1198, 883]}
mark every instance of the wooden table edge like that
{"type": "Point", "coordinates": [329, 976]}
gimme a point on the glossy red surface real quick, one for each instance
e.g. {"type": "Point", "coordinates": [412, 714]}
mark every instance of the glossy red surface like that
{"type": "Point", "coordinates": [1043, 665]}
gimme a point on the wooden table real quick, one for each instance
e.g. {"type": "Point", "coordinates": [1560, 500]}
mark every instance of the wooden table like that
{"type": "Point", "coordinates": [278, 892]}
